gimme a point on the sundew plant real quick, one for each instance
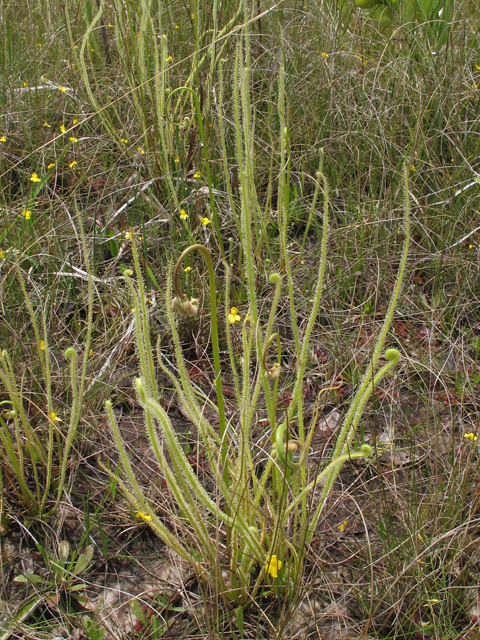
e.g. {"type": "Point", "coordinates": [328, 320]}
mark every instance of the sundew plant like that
{"type": "Point", "coordinates": [253, 529]}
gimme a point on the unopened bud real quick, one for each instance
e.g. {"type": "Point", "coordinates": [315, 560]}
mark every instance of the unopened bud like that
{"type": "Point", "coordinates": [274, 372]}
{"type": "Point", "coordinates": [188, 308]}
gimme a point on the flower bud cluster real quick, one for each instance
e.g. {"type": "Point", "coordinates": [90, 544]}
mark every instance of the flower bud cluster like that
{"type": "Point", "coordinates": [188, 308]}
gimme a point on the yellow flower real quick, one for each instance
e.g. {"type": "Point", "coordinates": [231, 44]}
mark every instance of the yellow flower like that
{"type": "Point", "coordinates": [196, 174]}
{"type": "Point", "coordinates": [471, 436]}
{"type": "Point", "coordinates": [51, 165]}
{"type": "Point", "coordinates": [206, 221]}
{"type": "Point", "coordinates": [248, 319]}
{"type": "Point", "coordinates": [477, 67]}
{"type": "Point", "coordinates": [273, 566]}
{"type": "Point", "coordinates": [63, 89]}
{"type": "Point", "coordinates": [233, 316]}
{"type": "Point", "coordinates": [124, 140]}
{"type": "Point", "coordinates": [177, 159]}
{"type": "Point", "coordinates": [470, 246]}
{"type": "Point", "coordinates": [72, 139]}
{"type": "Point", "coordinates": [343, 526]}
{"type": "Point", "coordinates": [75, 121]}
{"type": "Point", "coordinates": [169, 58]}
{"type": "Point", "coordinates": [324, 55]}
{"type": "Point", "coordinates": [144, 516]}
{"type": "Point", "coordinates": [183, 214]}
{"type": "Point", "coordinates": [110, 25]}
{"type": "Point", "coordinates": [42, 345]}
{"type": "Point", "coordinates": [91, 353]}
{"type": "Point", "coordinates": [187, 269]}
{"type": "Point", "coordinates": [54, 418]}
{"type": "Point", "coordinates": [62, 128]}
{"type": "Point", "coordinates": [141, 150]}
{"type": "Point", "coordinates": [24, 83]}
{"type": "Point", "coordinates": [129, 235]}
{"type": "Point", "coordinates": [73, 164]}
{"type": "Point", "coordinates": [3, 139]}
{"type": "Point", "coordinates": [27, 214]}
{"type": "Point", "coordinates": [34, 178]}
{"type": "Point", "coordinates": [45, 124]}
{"type": "Point", "coordinates": [2, 254]}
{"type": "Point", "coordinates": [177, 27]}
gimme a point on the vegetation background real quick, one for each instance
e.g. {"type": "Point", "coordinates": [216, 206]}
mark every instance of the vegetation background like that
{"type": "Point", "coordinates": [98, 153]}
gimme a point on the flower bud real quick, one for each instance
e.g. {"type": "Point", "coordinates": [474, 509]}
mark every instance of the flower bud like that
{"type": "Point", "coordinates": [188, 308]}
{"type": "Point", "coordinates": [274, 372]}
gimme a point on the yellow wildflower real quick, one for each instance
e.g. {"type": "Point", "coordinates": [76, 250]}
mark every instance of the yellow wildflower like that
{"type": "Point", "coordinates": [73, 164]}
{"type": "Point", "coordinates": [470, 246]}
{"type": "Point", "coordinates": [187, 269]}
{"type": "Point", "coordinates": [196, 174]}
{"type": "Point", "coordinates": [273, 566]}
{"type": "Point", "coordinates": [206, 221]}
{"type": "Point", "coordinates": [248, 319]}
{"type": "Point", "coordinates": [140, 150]}
{"type": "Point", "coordinates": [45, 124]}
{"type": "Point", "coordinates": [27, 214]}
{"type": "Point", "coordinates": [72, 139]}
{"type": "Point", "coordinates": [2, 254]}
{"type": "Point", "coordinates": [62, 128]}
{"type": "Point", "coordinates": [144, 516]}
{"type": "Point", "coordinates": [124, 140]}
{"type": "Point", "coordinates": [169, 59]}
{"type": "Point", "coordinates": [177, 159]}
{"type": "Point", "coordinates": [91, 353]}
{"type": "Point", "coordinates": [51, 165]}
{"type": "Point", "coordinates": [177, 27]}
{"type": "Point", "coordinates": [75, 121]}
{"type": "Point", "coordinates": [183, 214]}
{"type": "Point", "coordinates": [129, 235]}
{"type": "Point", "coordinates": [471, 436]}
{"type": "Point", "coordinates": [233, 316]}
{"type": "Point", "coordinates": [3, 139]}
{"type": "Point", "coordinates": [63, 89]}
{"type": "Point", "coordinates": [325, 55]}
{"type": "Point", "coordinates": [34, 178]}
{"type": "Point", "coordinates": [341, 527]}
{"type": "Point", "coordinates": [24, 83]}
{"type": "Point", "coordinates": [54, 418]}
{"type": "Point", "coordinates": [42, 345]}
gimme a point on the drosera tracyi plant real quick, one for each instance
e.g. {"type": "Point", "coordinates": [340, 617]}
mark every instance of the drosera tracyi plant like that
{"type": "Point", "coordinates": [252, 504]}
{"type": "Point", "coordinates": [27, 450]}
